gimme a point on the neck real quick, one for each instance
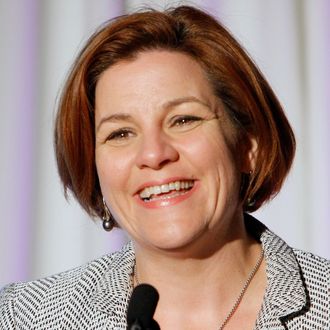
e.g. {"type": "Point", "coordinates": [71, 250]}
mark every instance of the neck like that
{"type": "Point", "coordinates": [231, 257]}
{"type": "Point", "coordinates": [181, 279]}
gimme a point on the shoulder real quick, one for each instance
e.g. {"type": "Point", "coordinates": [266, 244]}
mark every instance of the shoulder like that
{"type": "Point", "coordinates": [298, 284]}
{"type": "Point", "coordinates": [18, 301]}
{"type": "Point", "coordinates": [312, 262]}
{"type": "Point", "coordinates": [315, 271]}
{"type": "Point", "coordinates": [21, 302]}
{"type": "Point", "coordinates": [67, 279]}
{"type": "Point", "coordinates": [7, 295]}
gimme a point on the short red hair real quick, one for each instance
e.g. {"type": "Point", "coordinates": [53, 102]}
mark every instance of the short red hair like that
{"type": "Point", "coordinates": [236, 80]}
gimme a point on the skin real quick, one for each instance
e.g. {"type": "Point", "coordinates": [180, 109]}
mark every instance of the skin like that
{"type": "Point", "coordinates": [158, 120]}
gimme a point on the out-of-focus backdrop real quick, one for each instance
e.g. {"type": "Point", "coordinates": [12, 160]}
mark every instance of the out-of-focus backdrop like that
{"type": "Point", "coordinates": [40, 232]}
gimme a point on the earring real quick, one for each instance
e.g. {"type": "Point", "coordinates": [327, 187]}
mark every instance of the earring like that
{"type": "Point", "coordinates": [108, 222]}
{"type": "Point", "coordinates": [250, 202]}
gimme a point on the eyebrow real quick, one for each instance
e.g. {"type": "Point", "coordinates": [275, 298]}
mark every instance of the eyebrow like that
{"type": "Point", "coordinates": [114, 117]}
{"type": "Point", "coordinates": [187, 99]}
{"type": "Point", "coordinates": [167, 105]}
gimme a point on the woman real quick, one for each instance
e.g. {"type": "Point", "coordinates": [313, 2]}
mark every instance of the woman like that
{"type": "Point", "coordinates": [168, 130]}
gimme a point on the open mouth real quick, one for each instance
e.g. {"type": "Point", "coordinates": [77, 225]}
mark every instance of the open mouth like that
{"type": "Point", "coordinates": [164, 191]}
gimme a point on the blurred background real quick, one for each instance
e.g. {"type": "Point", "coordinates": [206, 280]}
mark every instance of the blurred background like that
{"type": "Point", "coordinates": [40, 232]}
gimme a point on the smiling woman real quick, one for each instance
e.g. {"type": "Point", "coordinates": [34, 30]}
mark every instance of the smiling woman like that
{"type": "Point", "coordinates": [168, 130]}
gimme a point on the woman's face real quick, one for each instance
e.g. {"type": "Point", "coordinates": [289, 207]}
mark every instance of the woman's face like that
{"type": "Point", "coordinates": [164, 151]}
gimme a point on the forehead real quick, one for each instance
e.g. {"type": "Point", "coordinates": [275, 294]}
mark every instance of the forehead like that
{"type": "Point", "coordinates": [153, 75]}
{"type": "Point", "coordinates": [141, 88]}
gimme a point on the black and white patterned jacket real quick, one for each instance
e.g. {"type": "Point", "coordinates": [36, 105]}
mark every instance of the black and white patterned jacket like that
{"type": "Point", "coordinates": [95, 296]}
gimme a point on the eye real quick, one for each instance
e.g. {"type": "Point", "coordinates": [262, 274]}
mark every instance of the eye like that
{"type": "Point", "coordinates": [120, 135]}
{"type": "Point", "coordinates": [185, 120]}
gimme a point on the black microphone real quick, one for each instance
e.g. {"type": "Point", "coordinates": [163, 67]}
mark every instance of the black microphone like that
{"type": "Point", "coordinates": [141, 308]}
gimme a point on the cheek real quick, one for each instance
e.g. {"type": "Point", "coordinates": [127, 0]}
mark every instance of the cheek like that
{"type": "Point", "coordinates": [197, 146]}
{"type": "Point", "coordinates": [112, 168]}
{"type": "Point", "coordinates": [208, 150]}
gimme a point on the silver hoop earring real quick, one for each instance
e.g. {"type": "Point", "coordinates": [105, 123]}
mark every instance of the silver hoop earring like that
{"type": "Point", "coordinates": [108, 222]}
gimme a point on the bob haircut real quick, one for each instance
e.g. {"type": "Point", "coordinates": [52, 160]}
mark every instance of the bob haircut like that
{"type": "Point", "coordinates": [237, 82]}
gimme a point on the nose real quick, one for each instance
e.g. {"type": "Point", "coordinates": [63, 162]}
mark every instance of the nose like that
{"type": "Point", "coordinates": [155, 151]}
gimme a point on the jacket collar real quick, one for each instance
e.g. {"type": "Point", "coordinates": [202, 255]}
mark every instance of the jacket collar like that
{"type": "Point", "coordinates": [286, 294]}
{"type": "Point", "coordinates": [115, 287]}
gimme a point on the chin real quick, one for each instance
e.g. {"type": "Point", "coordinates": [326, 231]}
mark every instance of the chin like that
{"type": "Point", "coordinates": [173, 240]}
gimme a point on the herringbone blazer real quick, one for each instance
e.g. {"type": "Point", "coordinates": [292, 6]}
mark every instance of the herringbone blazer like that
{"type": "Point", "coordinates": [95, 296]}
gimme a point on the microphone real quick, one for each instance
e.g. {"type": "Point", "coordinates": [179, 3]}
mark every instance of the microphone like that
{"type": "Point", "coordinates": [141, 308]}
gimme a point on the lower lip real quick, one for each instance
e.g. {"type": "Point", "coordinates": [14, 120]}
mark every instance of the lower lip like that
{"type": "Point", "coordinates": [168, 200]}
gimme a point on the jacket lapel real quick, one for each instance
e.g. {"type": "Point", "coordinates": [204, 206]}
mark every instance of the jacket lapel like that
{"type": "Point", "coordinates": [112, 295]}
{"type": "Point", "coordinates": [286, 294]}
{"type": "Point", "coordinates": [100, 298]}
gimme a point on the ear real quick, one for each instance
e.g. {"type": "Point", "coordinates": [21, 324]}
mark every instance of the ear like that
{"type": "Point", "coordinates": [249, 155]}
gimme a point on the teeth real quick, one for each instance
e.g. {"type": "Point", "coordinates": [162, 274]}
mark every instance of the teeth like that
{"type": "Point", "coordinates": [177, 185]}
{"type": "Point", "coordinates": [145, 193]}
{"type": "Point", "coordinates": [157, 190]}
{"type": "Point", "coordinates": [165, 188]}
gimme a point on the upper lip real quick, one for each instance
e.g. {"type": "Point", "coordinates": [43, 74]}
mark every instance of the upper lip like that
{"type": "Point", "coordinates": [160, 182]}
